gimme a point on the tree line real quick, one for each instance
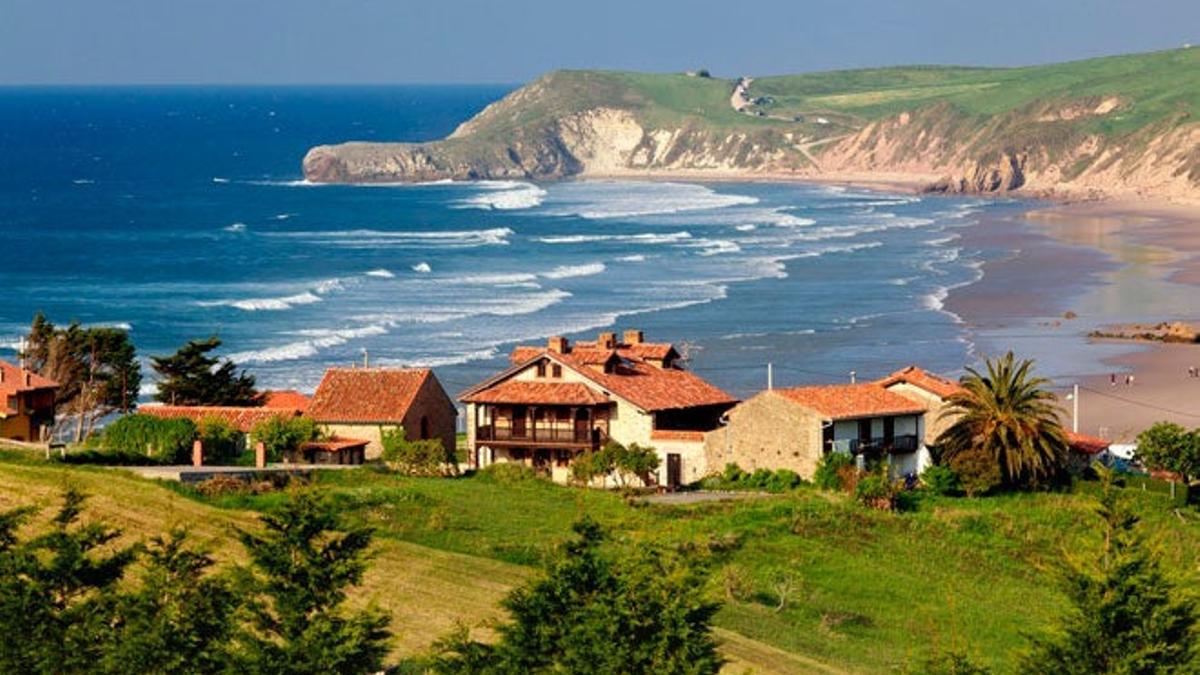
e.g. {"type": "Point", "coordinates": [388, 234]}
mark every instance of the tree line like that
{"type": "Point", "coordinates": [99, 373]}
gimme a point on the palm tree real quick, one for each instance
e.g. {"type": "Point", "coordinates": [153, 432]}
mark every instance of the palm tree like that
{"type": "Point", "coordinates": [1008, 415]}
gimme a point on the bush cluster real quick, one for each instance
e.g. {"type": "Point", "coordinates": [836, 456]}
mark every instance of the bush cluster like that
{"type": "Point", "coordinates": [416, 458]}
{"type": "Point", "coordinates": [734, 478]}
{"type": "Point", "coordinates": [940, 480]}
{"type": "Point", "coordinates": [831, 469]}
{"type": "Point", "coordinates": [280, 434]}
{"type": "Point", "coordinates": [166, 440]}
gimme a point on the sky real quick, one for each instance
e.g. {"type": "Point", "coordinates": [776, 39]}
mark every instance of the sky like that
{"type": "Point", "coordinates": [480, 41]}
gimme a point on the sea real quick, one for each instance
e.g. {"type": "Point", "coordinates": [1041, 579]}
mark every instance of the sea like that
{"type": "Point", "coordinates": [181, 212]}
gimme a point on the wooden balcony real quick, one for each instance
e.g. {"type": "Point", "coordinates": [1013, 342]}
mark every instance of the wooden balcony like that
{"type": "Point", "coordinates": [895, 445]}
{"type": "Point", "coordinates": [555, 436]}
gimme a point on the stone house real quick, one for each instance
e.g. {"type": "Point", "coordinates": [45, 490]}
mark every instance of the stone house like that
{"type": "Point", "coordinates": [359, 403]}
{"type": "Point", "coordinates": [243, 419]}
{"type": "Point", "coordinates": [26, 404]}
{"type": "Point", "coordinates": [895, 419]}
{"type": "Point", "coordinates": [557, 401]}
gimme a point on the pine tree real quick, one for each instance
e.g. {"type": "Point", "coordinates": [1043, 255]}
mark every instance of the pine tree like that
{"type": "Point", "coordinates": [1125, 616]}
{"type": "Point", "coordinates": [191, 377]}
{"type": "Point", "coordinates": [305, 561]}
{"type": "Point", "coordinates": [591, 613]}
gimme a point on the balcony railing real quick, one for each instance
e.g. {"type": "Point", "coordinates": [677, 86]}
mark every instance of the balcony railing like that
{"type": "Point", "coordinates": [539, 435]}
{"type": "Point", "coordinates": [897, 444]}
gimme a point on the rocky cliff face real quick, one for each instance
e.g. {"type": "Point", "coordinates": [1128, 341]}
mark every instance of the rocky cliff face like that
{"type": "Point", "coordinates": [540, 133]}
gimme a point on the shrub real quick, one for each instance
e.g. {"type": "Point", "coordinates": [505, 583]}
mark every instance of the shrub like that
{"type": "Point", "coordinates": [940, 480]}
{"type": "Point", "coordinates": [169, 440]}
{"type": "Point", "coordinates": [877, 491]}
{"type": "Point", "coordinates": [507, 473]}
{"type": "Point", "coordinates": [416, 458]}
{"type": "Point", "coordinates": [733, 473]}
{"type": "Point", "coordinates": [280, 434]}
{"type": "Point", "coordinates": [828, 475]}
{"type": "Point", "coordinates": [784, 480]}
{"type": "Point", "coordinates": [978, 472]}
{"type": "Point", "coordinates": [114, 458]}
{"type": "Point", "coordinates": [616, 459]}
{"type": "Point", "coordinates": [219, 439]}
{"type": "Point", "coordinates": [952, 662]}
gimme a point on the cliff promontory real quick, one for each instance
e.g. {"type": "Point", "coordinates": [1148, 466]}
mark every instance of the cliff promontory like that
{"type": "Point", "coordinates": [1115, 125]}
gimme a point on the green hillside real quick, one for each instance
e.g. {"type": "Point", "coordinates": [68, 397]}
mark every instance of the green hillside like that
{"type": "Point", "coordinates": [1099, 126]}
{"type": "Point", "coordinates": [872, 592]}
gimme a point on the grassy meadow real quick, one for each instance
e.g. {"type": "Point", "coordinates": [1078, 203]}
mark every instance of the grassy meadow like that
{"type": "Point", "coordinates": [866, 591]}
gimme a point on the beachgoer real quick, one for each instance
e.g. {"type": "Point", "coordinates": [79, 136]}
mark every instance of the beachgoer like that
{"type": "Point", "coordinates": [1128, 380]}
{"type": "Point", "coordinates": [1131, 380]}
{"type": "Point", "coordinates": [1112, 379]}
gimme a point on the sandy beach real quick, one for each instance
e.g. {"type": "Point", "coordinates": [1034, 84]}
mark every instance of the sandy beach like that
{"type": "Point", "coordinates": [1077, 267]}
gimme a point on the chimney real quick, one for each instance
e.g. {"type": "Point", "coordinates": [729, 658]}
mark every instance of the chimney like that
{"type": "Point", "coordinates": [28, 379]}
{"type": "Point", "coordinates": [559, 345]}
{"type": "Point", "coordinates": [1, 374]}
{"type": "Point", "coordinates": [634, 337]}
{"type": "Point", "coordinates": [607, 341]}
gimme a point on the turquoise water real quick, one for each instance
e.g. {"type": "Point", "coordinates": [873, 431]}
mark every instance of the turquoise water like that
{"type": "Point", "coordinates": [182, 212]}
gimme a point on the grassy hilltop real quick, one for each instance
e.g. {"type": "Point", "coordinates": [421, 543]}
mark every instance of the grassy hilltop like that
{"type": "Point", "coordinates": [871, 591]}
{"type": "Point", "coordinates": [1107, 125]}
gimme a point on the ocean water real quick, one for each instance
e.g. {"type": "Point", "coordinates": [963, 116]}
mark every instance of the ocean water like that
{"type": "Point", "coordinates": [182, 213]}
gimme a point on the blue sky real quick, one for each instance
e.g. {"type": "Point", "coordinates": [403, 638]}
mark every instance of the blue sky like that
{"type": "Point", "coordinates": [456, 41]}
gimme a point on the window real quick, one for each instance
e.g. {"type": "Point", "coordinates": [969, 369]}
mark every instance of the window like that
{"type": "Point", "coordinates": [556, 370]}
{"type": "Point", "coordinates": [424, 427]}
{"type": "Point", "coordinates": [541, 368]}
{"type": "Point", "coordinates": [562, 458]}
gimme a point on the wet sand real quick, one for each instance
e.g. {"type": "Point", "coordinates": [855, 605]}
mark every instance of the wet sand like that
{"type": "Point", "coordinates": [1073, 268]}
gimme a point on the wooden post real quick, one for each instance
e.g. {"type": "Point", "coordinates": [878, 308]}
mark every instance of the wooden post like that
{"type": "Point", "coordinates": [197, 453]}
{"type": "Point", "coordinates": [260, 455]}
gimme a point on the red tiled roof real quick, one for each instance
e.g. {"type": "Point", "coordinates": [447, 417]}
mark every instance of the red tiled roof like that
{"type": "Point", "coordinates": [918, 377]}
{"type": "Point", "coordinates": [241, 418]}
{"type": "Point", "coordinates": [334, 444]}
{"type": "Point", "coordinates": [634, 379]}
{"type": "Point", "coordinates": [367, 394]}
{"type": "Point", "coordinates": [532, 393]}
{"type": "Point", "coordinates": [674, 435]}
{"type": "Point", "coordinates": [287, 399]}
{"type": "Point", "coordinates": [1087, 445]}
{"type": "Point", "coordinates": [14, 380]}
{"type": "Point", "coordinates": [852, 401]}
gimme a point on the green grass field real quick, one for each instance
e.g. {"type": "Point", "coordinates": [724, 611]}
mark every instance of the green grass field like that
{"type": "Point", "coordinates": [873, 592]}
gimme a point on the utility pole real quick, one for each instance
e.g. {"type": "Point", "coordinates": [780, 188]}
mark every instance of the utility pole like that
{"type": "Point", "coordinates": [853, 377]}
{"type": "Point", "coordinates": [770, 377]}
{"type": "Point", "coordinates": [366, 358]}
{"type": "Point", "coordinates": [1075, 409]}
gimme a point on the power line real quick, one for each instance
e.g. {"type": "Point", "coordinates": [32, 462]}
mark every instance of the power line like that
{"type": "Point", "coordinates": [1143, 404]}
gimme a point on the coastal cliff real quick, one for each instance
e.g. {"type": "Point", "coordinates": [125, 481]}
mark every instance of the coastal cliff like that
{"type": "Point", "coordinates": [1105, 126]}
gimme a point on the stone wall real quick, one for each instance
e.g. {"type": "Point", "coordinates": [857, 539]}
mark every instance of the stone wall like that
{"type": "Point", "coordinates": [766, 432]}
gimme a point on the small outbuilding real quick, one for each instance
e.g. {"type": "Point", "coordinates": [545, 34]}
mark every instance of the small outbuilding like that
{"type": "Point", "coordinates": [329, 451]}
{"type": "Point", "coordinates": [362, 402]}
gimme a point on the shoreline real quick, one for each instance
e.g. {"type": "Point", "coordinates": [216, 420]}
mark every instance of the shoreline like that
{"type": "Point", "coordinates": [1075, 266]}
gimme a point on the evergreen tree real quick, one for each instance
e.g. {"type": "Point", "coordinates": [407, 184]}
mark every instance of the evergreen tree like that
{"type": "Point", "coordinates": [180, 619]}
{"type": "Point", "coordinates": [191, 376]}
{"type": "Point", "coordinates": [589, 613]}
{"type": "Point", "coordinates": [1126, 616]}
{"type": "Point", "coordinates": [96, 368]}
{"type": "Point", "coordinates": [306, 559]}
{"type": "Point", "coordinates": [55, 592]}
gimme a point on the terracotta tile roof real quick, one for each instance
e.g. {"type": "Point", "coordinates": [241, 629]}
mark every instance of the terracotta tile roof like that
{"type": "Point", "coordinates": [532, 393]}
{"type": "Point", "coordinates": [918, 377]}
{"type": "Point", "coordinates": [241, 418]}
{"type": "Point", "coordinates": [364, 395]}
{"type": "Point", "coordinates": [673, 435]}
{"type": "Point", "coordinates": [287, 399]}
{"type": "Point", "coordinates": [15, 380]}
{"type": "Point", "coordinates": [852, 401]}
{"type": "Point", "coordinates": [1087, 445]}
{"type": "Point", "coordinates": [334, 444]}
{"type": "Point", "coordinates": [634, 379]}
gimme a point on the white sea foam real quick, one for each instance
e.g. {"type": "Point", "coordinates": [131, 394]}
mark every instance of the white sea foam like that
{"type": "Point", "coordinates": [370, 238]}
{"type": "Point", "coordinates": [265, 304]}
{"type": "Point", "coordinates": [746, 228]}
{"type": "Point", "coordinates": [644, 238]}
{"type": "Point", "coordinates": [596, 200]}
{"type": "Point", "coordinates": [496, 279]}
{"type": "Point", "coordinates": [709, 247]}
{"type": "Point", "coordinates": [218, 179]}
{"type": "Point", "coordinates": [283, 216]}
{"type": "Point", "coordinates": [505, 196]}
{"type": "Point", "coordinates": [380, 274]}
{"type": "Point", "coordinates": [422, 267]}
{"type": "Point", "coordinates": [632, 258]}
{"type": "Point", "coordinates": [83, 181]}
{"type": "Point", "coordinates": [441, 360]}
{"type": "Point", "coordinates": [235, 227]}
{"type": "Point", "coordinates": [315, 340]}
{"type": "Point", "coordinates": [570, 271]}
